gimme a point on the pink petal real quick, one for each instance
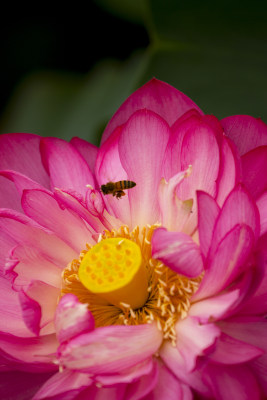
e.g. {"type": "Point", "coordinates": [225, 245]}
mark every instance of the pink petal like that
{"type": "Point", "coordinates": [21, 181]}
{"type": "Point", "coordinates": [18, 385]}
{"type": "Point", "coordinates": [227, 262]}
{"type": "Point", "coordinates": [109, 169]}
{"type": "Point", "coordinates": [232, 382]}
{"type": "Point", "coordinates": [110, 349]}
{"type": "Point", "coordinates": [31, 313]}
{"type": "Point", "coordinates": [197, 146]}
{"type": "Point", "coordinates": [20, 152]}
{"type": "Point", "coordinates": [216, 126]}
{"type": "Point", "coordinates": [259, 368]}
{"type": "Point", "coordinates": [214, 308]}
{"type": "Point", "coordinates": [116, 392]}
{"type": "Point", "coordinates": [239, 208]}
{"type": "Point", "coordinates": [156, 96]}
{"type": "Point", "coordinates": [64, 385]}
{"type": "Point", "coordinates": [30, 264]}
{"type": "Point", "coordinates": [174, 360]}
{"type": "Point", "coordinates": [94, 202]}
{"type": "Point", "coordinates": [10, 310]}
{"type": "Point", "coordinates": [174, 212]}
{"type": "Point", "coordinates": [38, 305]}
{"type": "Point", "coordinates": [195, 340]}
{"type": "Point", "coordinates": [69, 201]}
{"type": "Point", "coordinates": [87, 150]}
{"type": "Point", "coordinates": [188, 122]}
{"type": "Point", "coordinates": [245, 131]}
{"type": "Point", "coordinates": [9, 197]}
{"type": "Point", "coordinates": [254, 167]}
{"type": "Point", "coordinates": [25, 231]}
{"type": "Point", "coordinates": [72, 318]}
{"type": "Point", "coordinates": [7, 243]}
{"type": "Point", "coordinates": [178, 251]}
{"type": "Point", "coordinates": [230, 170]}
{"type": "Point", "coordinates": [44, 209]}
{"type": "Point", "coordinates": [262, 207]}
{"type": "Point", "coordinates": [233, 351]}
{"type": "Point", "coordinates": [168, 386]}
{"type": "Point", "coordinates": [66, 167]}
{"type": "Point", "coordinates": [141, 147]}
{"type": "Point", "coordinates": [208, 211]}
{"type": "Point", "coordinates": [34, 354]}
{"type": "Point", "coordinates": [146, 371]}
{"type": "Point", "coordinates": [248, 329]}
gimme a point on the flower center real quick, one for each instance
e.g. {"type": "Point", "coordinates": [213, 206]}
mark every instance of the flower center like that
{"type": "Point", "coordinates": [114, 270]}
{"type": "Point", "coordinates": [123, 284]}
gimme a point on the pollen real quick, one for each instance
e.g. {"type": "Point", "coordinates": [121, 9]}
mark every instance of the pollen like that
{"type": "Point", "coordinates": [123, 285]}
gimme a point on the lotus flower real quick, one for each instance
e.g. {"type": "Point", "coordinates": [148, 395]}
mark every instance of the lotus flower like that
{"type": "Point", "coordinates": [160, 294]}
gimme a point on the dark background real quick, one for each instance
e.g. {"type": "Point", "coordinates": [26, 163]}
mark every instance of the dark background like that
{"type": "Point", "coordinates": [66, 76]}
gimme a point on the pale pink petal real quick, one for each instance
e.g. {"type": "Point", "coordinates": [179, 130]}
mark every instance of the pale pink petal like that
{"type": "Point", "coordinates": [262, 207]}
{"type": "Point", "coordinates": [189, 121]}
{"type": "Point", "coordinates": [230, 170]}
{"type": "Point", "coordinates": [94, 202]}
{"type": "Point", "coordinates": [38, 305]}
{"type": "Point", "coordinates": [195, 340]}
{"type": "Point", "coordinates": [72, 318]}
{"type": "Point", "coordinates": [19, 385]}
{"type": "Point", "coordinates": [43, 208]}
{"type": "Point", "coordinates": [232, 351]}
{"type": "Point", "coordinates": [214, 308]}
{"type": "Point", "coordinates": [141, 147]}
{"type": "Point", "coordinates": [174, 360]}
{"type": "Point", "coordinates": [20, 152]}
{"type": "Point", "coordinates": [110, 349]}
{"type": "Point", "coordinates": [25, 231]}
{"type": "Point", "coordinates": [30, 264]}
{"type": "Point", "coordinates": [147, 368]}
{"type": "Point", "coordinates": [239, 208]}
{"type": "Point", "coordinates": [254, 167]}
{"type": "Point", "coordinates": [156, 96]}
{"type": "Point", "coordinates": [227, 262]}
{"type": "Point", "coordinates": [10, 310]}
{"type": "Point", "coordinates": [87, 150]}
{"type": "Point", "coordinates": [9, 197]}
{"type": "Point", "coordinates": [66, 167]}
{"type": "Point", "coordinates": [35, 354]}
{"type": "Point", "coordinates": [109, 169]}
{"type": "Point", "coordinates": [141, 388]}
{"type": "Point", "coordinates": [174, 212]}
{"type": "Point", "coordinates": [245, 131]}
{"type": "Point", "coordinates": [69, 201]}
{"type": "Point", "coordinates": [232, 382]}
{"type": "Point", "coordinates": [178, 251]}
{"type": "Point", "coordinates": [197, 146]}
{"type": "Point", "coordinates": [67, 384]}
{"type": "Point", "coordinates": [208, 211]}
{"type": "Point", "coordinates": [168, 386]}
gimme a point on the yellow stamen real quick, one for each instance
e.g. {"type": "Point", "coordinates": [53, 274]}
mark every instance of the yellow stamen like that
{"type": "Point", "coordinates": [114, 270]}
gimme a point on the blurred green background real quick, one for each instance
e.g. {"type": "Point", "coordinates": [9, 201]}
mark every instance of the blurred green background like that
{"type": "Point", "coordinates": [65, 77]}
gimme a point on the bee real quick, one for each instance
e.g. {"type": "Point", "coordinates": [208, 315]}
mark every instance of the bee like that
{"type": "Point", "coordinates": [117, 188]}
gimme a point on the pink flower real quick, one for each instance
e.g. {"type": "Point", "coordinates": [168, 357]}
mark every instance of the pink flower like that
{"type": "Point", "coordinates": [160, 294]}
